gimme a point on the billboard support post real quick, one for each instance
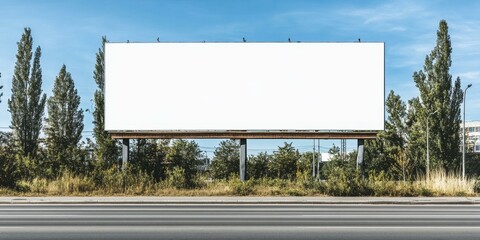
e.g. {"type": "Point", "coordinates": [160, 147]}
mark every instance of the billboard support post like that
{"type": "Point", "coordinates": [125, 152]}
{"type": "Point", "coordinates": [360, 151]}
{"type": "Point", "coordinates": [243, 159]}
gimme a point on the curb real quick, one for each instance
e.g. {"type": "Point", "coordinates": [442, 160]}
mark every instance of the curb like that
{"type": "Point", "coordinates": [241, 200]}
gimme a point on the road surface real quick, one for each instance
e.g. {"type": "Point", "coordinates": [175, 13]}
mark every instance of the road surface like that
{"type": "Point", "coordinates": [238, 221]}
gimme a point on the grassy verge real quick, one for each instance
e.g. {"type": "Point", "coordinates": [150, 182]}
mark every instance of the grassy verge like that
{"type": "Point", "coordinates": [118, 184]}
{"type": "Point", "coordinates": [448, 184]}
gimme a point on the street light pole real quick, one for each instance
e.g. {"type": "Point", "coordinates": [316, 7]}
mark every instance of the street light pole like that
{"type": "Point", "coordinates": [463, 138]}
{"type": "Point", "coordinates": [428, 147]}
{"type": "Point", "coordinates": [428, 154]}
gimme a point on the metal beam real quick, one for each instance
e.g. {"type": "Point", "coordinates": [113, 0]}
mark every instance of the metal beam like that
{"type": "Point", "coordinates": [243, 135]}
{"type": "Point", "coordinates": [125, 152]}
{"type": "Point", "coordinates": [243, 159]}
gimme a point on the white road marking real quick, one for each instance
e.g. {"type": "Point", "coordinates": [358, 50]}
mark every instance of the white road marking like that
{"type": "Point", "coordinates": [389, 227]}
{"type": "Point", "coordinates": [390, 216]}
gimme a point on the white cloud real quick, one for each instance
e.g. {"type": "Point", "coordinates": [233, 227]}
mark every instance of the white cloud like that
{"type": "Point", "coordinates": [472, 75]}
{"type": "Point", "coordinates": [387, 13]}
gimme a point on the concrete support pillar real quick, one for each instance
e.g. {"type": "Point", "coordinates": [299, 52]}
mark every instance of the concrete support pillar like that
{"type": "Point", "coordinates": [243, 159]}
{"type": "Point", "coordinates": [125, 152]}
{"type": "Point", "coordinates": [360, 151]}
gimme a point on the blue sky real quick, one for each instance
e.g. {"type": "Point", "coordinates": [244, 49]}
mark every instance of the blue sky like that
{"type": "Point", "coordinates": [70, 32]}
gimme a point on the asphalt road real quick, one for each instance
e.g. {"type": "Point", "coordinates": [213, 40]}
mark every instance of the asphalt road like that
{"type": "Point", "coordinates": [231, 221]}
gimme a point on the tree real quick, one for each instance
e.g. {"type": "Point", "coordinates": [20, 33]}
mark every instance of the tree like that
{"type": "Point", "coordinates": [395, 136]}
{"type": "Point", "coordinates": [65, 121]}
{"type": "Point", "coordinates": [440, 102]}
{"type": "Point", "coordinates": [258, 165]}
{"type": "Point", "coordinates": [304, 165]}
{"type": "Point", "coordinates": [284, 162]}
{"type": "Point", "coordinates": [8, 171]}
{"type": "Point", "coordinates": [337, 161]}
{"type": "Point", "coordinates": [375, 154]}
{"type": "Point", "coordinates": [186, 156]}
{"type": "Point", "coordinates": [416, 148]}
{"type": "Point", "coordinates": [226, 160]}
{"type": "Point", "coordinates": [335, 150]}
{"type": "Point", "coordinates": [149, 155]}
{"type": "Point", "coordinates": [106, 147]}
{"type": "Point", "coordinates": [399, 151]}
{"type": "Point", "coordinates": [27, 103]}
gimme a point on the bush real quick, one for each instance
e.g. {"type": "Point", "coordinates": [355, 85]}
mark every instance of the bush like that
{"type": "Point", "coordinates": [22, 187]}
{"type": "Point", "coordinates": [9, 174]}
{"type": "Point", "coordinates": [176, 178]}
{"type": "Point", "coordinates": [39, 185]}
{"type": "Point", "coordinates": [8, 171]}
{"type": "Point", "coordinates": [129, 181]}
{"type": "Point", "coordinates": [238, 187]}
{"type": "Point", "coordinates": [382, 185]}
{"type": "Point", "coordinates": [476, 187]}
{"type": "Point", "coordinates": [343, 182]}
{"type": "Point", "coordinates": [68, 183]}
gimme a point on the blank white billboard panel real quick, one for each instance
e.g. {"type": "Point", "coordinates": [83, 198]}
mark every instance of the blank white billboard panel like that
{"type": "Point", "coordinates": [244, 86]}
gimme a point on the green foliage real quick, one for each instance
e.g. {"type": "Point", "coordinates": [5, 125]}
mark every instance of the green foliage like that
{"type": "Point", "coordinates": [339, 183]}
{"type": "Point", "coordinates": [284, 162]}
{"type": "Point", "coordinates": [476, 188]}
{"type": "Point", "coordinates": [391, 150]}
{"type": "Point", "coordinates": [304, 166]}
{"type": "Point", "coordinates": [113, 181]}
{"type": "Point", "coordinates": [185, 155]}
{"type": "Point", "coordinates": [226, 160]}
{"type": "Point", "coordinates": [106, 147]}
{"type": "Point", "coordinates": [401, 149]}
{"type": "Point", "coordinates": [417, 144]}
{"type": "Point", "coordinates": [441, 102]}
{"type": "Point", "coordinates": [64, 123]}
{"type": "Point", "coordinates": [472, 165]}
{"type": "Point", "coordinates": [150, 156]}
{"type": "Point", "coordinates": [343, 178]}
{"type": "Point", "coordinates": [27, 103]}
{"type": "Point", "coordinates": [337, 161]}
{"type": "Point", "coordinates": [176, 178]}
{"type": "Point", "coordinates": [374, 154]}
{"type": "Point", "coordinates": [8, 169]}
{"type": "Point", "coordinates": [334, 150]}
{"type": "Point", "coordinates": [257, 166]}
{"type": "Point", "coordinates": [240, 188]}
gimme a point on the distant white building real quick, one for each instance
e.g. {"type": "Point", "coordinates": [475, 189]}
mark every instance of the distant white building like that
{"type": "Point", "coordinates": [326, 157]}
{"type": "Point", "coordinates": [472, 135]}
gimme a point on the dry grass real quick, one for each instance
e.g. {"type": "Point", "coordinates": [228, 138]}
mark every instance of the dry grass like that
{"type": "Point", "coordinates": [442, 183]}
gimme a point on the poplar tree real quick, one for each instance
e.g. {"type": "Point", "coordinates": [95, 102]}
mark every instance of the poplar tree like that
{"type": "Point", "coordinates": [441, 99]}
{"type": "Point", "coordinates": [106, 148]}
{"type": "Point", "coordinates": [65, 121]}
{"type": "Point", "coordinates": [27, 103]}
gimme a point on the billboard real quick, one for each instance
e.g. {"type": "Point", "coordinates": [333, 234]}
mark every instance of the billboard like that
{"type": "Point", "coordinates": [244, 86]}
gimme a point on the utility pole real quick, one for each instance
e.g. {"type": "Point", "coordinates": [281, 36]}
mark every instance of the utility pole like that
{"type": "Point", "coordinates": [319, 159]}
{"type": "Point", "coordinates": [463, 138]}
{"type": "Point", "coordinates": [313, 160]}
